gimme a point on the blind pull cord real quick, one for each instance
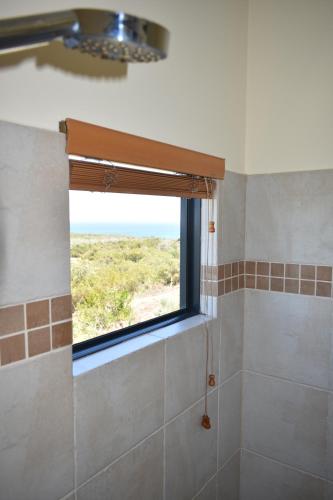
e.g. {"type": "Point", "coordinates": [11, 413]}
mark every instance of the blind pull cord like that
{"type": "Point", "coordinates": [210, 380]}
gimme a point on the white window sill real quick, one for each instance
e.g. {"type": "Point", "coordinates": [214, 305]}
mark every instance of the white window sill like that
{"type": "Point", "coordinates": [98, 359]}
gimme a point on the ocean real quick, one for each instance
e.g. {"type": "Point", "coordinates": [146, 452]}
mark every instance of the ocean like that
{"type": "Point", "coordinates": [169, 231]}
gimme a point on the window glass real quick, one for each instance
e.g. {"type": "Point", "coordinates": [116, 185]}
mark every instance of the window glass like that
{"type": "Point", "coordinates": [125, 260]}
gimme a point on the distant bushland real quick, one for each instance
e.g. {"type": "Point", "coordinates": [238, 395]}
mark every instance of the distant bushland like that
{"type": "Point", "coordinates": [114, 277]}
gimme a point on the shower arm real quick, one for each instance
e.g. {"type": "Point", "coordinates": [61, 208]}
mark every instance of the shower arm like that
{"type": "Point", "coordinates": [21, 31]}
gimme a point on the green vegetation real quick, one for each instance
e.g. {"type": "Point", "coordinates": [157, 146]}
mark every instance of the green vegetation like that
{"type": "Point", "coordinates": [114, 277]}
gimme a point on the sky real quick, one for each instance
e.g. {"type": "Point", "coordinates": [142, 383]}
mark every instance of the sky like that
{"type": "Point", "coordinates": [87, 207]}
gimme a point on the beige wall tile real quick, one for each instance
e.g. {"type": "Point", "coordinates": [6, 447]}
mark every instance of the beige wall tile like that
{"type": "Point", "coordinates": [137, 475]}
{"type": "Point", "coordinates": [232, 247]}
{"type": "Point", "coordinates": [35, 251]}
{"type": "Point", "coordinates": [286, 421]}
{"type": "Point", "coordinates": [36, 431]}
{"type": "Point", "coordinates": [229, 479]}
{"type": "Point", "coordinates": [288, 336]}
{"type": "Point", "coordinates": [263, 479]}
{"type": "Point", "coordinates": [186, 367]}
{"type": "Point", "coordinates": [186, 443]}
{"type": "Point", "coordinates": [117, 405]}
{"type": "Point", "coordinates": [230, 395]}
{"type": "Point", "coordinates": [288, 217]}
{"type": "Point", "coordinates": [232, 324]}
{"type": "Point", "coordinates": [209, 491]}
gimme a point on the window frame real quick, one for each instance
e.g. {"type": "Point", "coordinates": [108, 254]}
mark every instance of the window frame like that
{"type": "Point", "coordinates": [190, 262]}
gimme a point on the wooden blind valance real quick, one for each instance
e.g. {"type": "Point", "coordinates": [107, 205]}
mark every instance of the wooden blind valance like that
{"type": "Point", "coordinates": [99, 143]}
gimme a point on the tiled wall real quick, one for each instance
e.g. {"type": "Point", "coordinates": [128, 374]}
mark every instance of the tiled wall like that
{"type": "Point", "coordinates": [287, 424]}
{"type": "Point", "coordinates": [272, 407]}
{"type": "Point", "coordinates": [135, 421]}
{"type": "Point", "coordinates": [36, 391]}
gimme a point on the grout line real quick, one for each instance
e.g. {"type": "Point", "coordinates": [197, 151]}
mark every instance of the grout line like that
{"type": "Point", "coordinates": [204, 486]}
{"type": "Point", "coordinates": [164, 434]}
{"type": "Point", "coordinates": [292, 467]}
{"type": "Point", "coordinates": [123, 455]}
{"type": "Point", "coordinates": [25, 332]}
{"type": "Point", "coordinates": [190, 407]}
{"type": "Point", "coordinates": [8, 335]}
{"type": "Point", "coordinates": [34, 358]}
{"type": "Point", "coordinates": [234, 375]}
{"type": "Point", "coordinates": [75, 439]}
{"type": "Point", "coordinates": [35, 300]}
{"type": "Point", "coordinates": [283, 379]}
{"type": "Point", "coordinates": [218, 395]}
{"type": "Point", "coordinates": [232, 456]}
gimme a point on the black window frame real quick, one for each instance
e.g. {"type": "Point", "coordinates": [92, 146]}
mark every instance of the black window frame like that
{"type": "Point", "coordinates": [190, 247]}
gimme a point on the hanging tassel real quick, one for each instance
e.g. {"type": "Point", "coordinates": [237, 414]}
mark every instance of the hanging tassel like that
{"type": "Point", "coordinates": [211, 226]}
{"type": "Point", "coordinates": [205, 422]}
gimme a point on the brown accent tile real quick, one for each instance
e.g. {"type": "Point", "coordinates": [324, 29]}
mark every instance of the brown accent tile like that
{"type": "Point", "coordinates": [234, 283]}
{"type": "Point", "coordinates": [292, 271]}
{"type": "Point", "coordinates": [307, 287]}
{"type": "Point", "coordinates": [61, 308]}
{"type": "Point", "coordinates": [308, 272]}
{"type": "Point", "coordinates": [291, 286]}
{"type": "Point", "coordinates": [277, 284]}
{"type": "Point", "coordinates": [12, 349]}
{"type": "Point", "coordinates": [250, 281]}
{"type": "Point", "coordinates": [61, 334]}
{"type": "Point", "coordinates": [220, 274]}
{"type": "Point", "coordinates": [38, 314]}
{"type": "Point", "coordinates": [250, 267]}
{"type": "Point", "coordinates": [220, 288]}
{"type": "Point", "coordinates": [235, 268]}
{"type": "Point", "coordinates": [263, 268]}
{"type": "Point", "coordinates": [324, 273]}
{"type": "Point", "coordinates": [227, 286]}
{"type": "Point", "coordinates": [39, 341]}
{"type": "Point", "coordinates": [241, 282]}
{"type": "Point", "coordinates": [241, 267]}
{"type": "Point", "coordinates": [323, 289]}
{"type": "Point", "coordinates": [11, 319]}
{"type": "Point", "coordinates": [277, 269]}
{"type": "Point", "coordinates": [227, 270]}
{"type": "Point", "coordinates": [262, 283]}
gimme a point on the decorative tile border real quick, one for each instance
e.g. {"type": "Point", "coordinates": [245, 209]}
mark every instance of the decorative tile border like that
{"type": "Point", "coordinates": [30, 329]}
{"type": "Point", "coordinates": [303, 279]}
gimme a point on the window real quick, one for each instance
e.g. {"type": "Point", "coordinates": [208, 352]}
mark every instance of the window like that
{"type": "Point", "coordinates": [110, 288]}
{"type": "Point", "coordinates": [135, 262]}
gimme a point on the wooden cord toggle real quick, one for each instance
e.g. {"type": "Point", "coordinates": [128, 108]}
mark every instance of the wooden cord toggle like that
{"type": "Point", "coordinates": [205, 422]}
{"type": "Point", "coordinates": [211, 226]}
{"type": "Point", "coordinates": [211, 380]}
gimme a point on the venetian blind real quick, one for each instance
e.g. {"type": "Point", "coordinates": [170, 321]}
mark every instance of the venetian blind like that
{"type": "Point", "coordinates": [107, 160]}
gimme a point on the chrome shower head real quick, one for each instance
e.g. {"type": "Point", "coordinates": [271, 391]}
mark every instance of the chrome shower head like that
{"type": "Point", "coordinates": [106, 34]}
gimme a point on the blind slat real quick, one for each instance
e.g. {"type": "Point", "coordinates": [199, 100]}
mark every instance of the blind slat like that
{"type": "Point", "coordinates": [96, 177]}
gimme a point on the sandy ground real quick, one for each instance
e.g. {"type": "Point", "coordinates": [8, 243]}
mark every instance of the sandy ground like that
{"type": "Point", "coordinates": [155, 302]}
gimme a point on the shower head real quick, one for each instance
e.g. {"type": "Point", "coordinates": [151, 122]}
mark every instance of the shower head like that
{"type": "Point", "coordinates": [106, 34]}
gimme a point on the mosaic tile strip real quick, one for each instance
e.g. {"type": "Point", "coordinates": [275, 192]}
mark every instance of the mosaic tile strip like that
{"type": "Point", "coordinates": [303, 279]}
{"type": "Point", "coordinates": [30, 329]}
